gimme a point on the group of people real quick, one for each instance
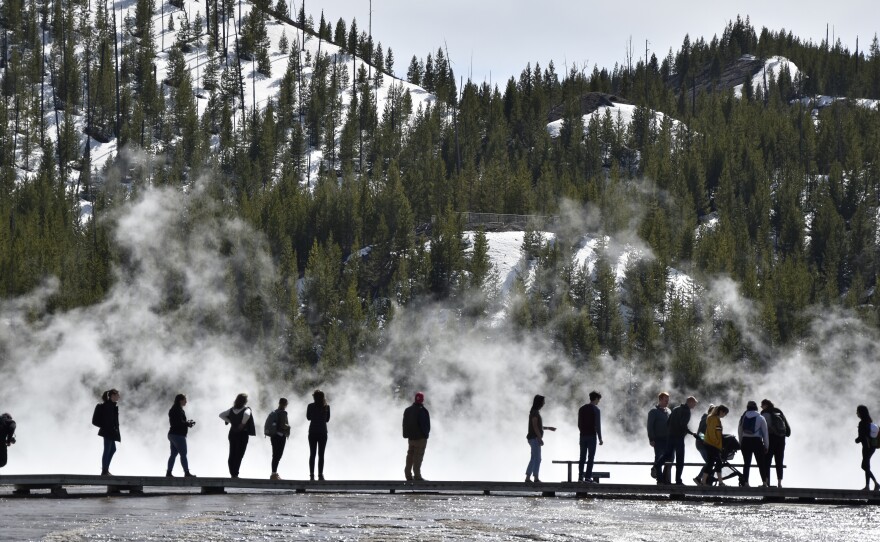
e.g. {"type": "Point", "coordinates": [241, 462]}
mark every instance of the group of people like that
{"type": "Point", "coordinates": [239, 417]}
{"type": "Point", "coordinates": [761, 435]}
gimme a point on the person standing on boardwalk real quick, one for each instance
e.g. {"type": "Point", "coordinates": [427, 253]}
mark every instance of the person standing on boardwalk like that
{"type": "Point", "coordinates": [7, 436]}
{"type": "Point", "coordinates": [241, 422]}
{"type": "Point", "coordinates": [777, 426]}
{"type": "Point", "coordinates": [106, 418]}
{"type": "Point", "coordinates": [535, 437]}
{"type": "Point", "coordinates": [754, 440]}
{"type": "Point", "coordinates": [678, 429]}
{"type": "Point", "coordinates": [177, 435]}
{"type": "Point", "coordinates": [868, 439]}
{"type": "Point", "coordinates": [277, 428]}
{"type": "Point", "coordinates": [714, 441]}
{"type": "Point", "coordinates": [590, 426]}
{"type": "Point", "coordinates": [416, 428]}
{"type": "Point", "coordinates": [318, 414]}
{"type": "Point", "coordinates": [701, 430]}
{"type": "Point", "coordinates": [658, 428]}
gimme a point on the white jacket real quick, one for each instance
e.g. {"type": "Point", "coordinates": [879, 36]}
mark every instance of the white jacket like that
{"type": "Point", "coordinates": [760, 427]}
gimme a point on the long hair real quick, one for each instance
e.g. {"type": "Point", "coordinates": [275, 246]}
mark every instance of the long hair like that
{"type": "Point", "coordinates": [240, 400]}
{"type": "Point", "coordinates": [319, 398]}
{"type": "Point", "coordinates": [862, 413]}
{"type": "Point", "coordinates": [767, 404]}
{"type": "Point", "coordinates": [720, 409]}
{"type": "Point", "coordinates": [537, 402]}
{"type": "Point", "coordinates": [179, 399]}
{"type": "Point", "coordinates": [106, 395]}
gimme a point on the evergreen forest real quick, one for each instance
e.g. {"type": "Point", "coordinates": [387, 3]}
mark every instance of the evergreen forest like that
{"type": "Point", "coordinates": [362, 208]}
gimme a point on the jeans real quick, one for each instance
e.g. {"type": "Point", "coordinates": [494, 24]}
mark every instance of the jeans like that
{"type": "Point", "coordinates": [178, 446]}
{"type": "Point", "coordinates": [237, 446]}
{"type": "Point", "coordinates": [109, 450]}
{"type": "Point", "coordinates": [278, 443]}
{"type": "Point", "coordinates": [415, 453]}
{"type": "Point", "coordinates": [754, 446]}
{"type": "Point", "coordinates": [588, 452]}
{"type": "Point", "coordinates": [674, 448]}
{"type": "Point", "coordinates": [776, 453]}
{"type": "Point", "coordinates": [713, 461]}
{"type": "Point", "coordinates": [535, 459]}
{"type": "Point", "coordinates": [317, 443]}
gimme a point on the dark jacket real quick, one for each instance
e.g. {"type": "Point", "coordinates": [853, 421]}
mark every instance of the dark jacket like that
{"type": "Point", "coordinates": [701, 428]}
{"type": "Point", "coordinates": [864, 434]}
{"type": "Point", "coordinates": [318, 415]}
{"type": "Point", "coordinates": [678, 421]}
{"type": "Point", "coordinates": [769, 414]}
{"type": "Point", "coordinates": [7, 431]}
{"type": "Point", "coordinates": [658, 423]}
{"type": "Point", "coordinates": [108, 417]}
{"type": "Point", "coordinates": [416, 422]}
{"type": "Point", "coordinates": [177, 420]}
{"type": "Point", "coordinates": [590, 421]}
{"type": "Point", "coordinates": [235, 421]}
{"type": "Point", "coordinates": [282, 423]}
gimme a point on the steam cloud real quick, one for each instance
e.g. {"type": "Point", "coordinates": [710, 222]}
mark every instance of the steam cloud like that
{"type": "Point", "coordinates": [165, 327]}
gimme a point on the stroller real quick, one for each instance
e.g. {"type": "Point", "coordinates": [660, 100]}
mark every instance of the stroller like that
{"type": "Point", "coordinates": [729, 447]}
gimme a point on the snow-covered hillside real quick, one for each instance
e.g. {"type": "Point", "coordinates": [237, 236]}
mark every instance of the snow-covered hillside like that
{"type": "Point", "coordinates": [621, 114]}
{"type": "Point", "coordinates": [258, 89]}
{"type": "Point", "coordinates": [505, 254]}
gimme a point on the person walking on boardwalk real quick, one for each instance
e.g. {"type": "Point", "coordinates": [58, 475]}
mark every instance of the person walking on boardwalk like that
{"type": "Point", "coordinates": [241, 422]}
{"type": "Point", "coordinates": [678, 429]}
{"type": "Point", "coordinates": [868, 435]}
{"type": "Point", "coordinates": [658, 428]}
{"type": "Point", "coordinates": [590, 426]}
{"type": "Point", "coordinates": [777, 426]}
{"type": "Point", "coordinates": [754, 440]}
{"type": "Point", "coordinates": [318, 414]}
{"type": "Point", "coordinates": [277, 428]}
{"type": "Point", "coordinates": [7, 436]}
{"type": "Point", "coordinates": [416, 428]}
{"type": "Point", "coordinates": [106, 418]}
{"type": "Point", "coordinates": [714, 439]}
{"type": "Point", "coordinates": [180, 426]}
{"type": "Point", "coordinates": [535, 437]}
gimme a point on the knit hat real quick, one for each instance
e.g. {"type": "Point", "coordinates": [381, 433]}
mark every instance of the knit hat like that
{"type": "Point", "coordinates": [420, 397]}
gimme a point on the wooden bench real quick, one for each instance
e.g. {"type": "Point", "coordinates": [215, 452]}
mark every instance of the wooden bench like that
{"type": "Point", "coordinates": [597, 475]}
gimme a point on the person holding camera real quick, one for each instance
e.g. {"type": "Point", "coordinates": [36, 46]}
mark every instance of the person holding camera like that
{"type": "Point", "coordinates": [177, 435]}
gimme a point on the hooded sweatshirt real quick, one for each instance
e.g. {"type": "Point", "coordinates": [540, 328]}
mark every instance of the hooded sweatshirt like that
{"type": "Point", "coordinates": [760, 427]}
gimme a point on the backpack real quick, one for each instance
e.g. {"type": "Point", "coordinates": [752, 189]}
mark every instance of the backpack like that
{"type": "Point", "coordinates": [96, 415]}
{"type": "Point", "coordinates": [874, 432]}
{"type": "Point", "coordinates": [777, 425]}
{"type": "Point", "coordinates": [269, 428]}
{"type": "Point", "coordinates": [749, 424]}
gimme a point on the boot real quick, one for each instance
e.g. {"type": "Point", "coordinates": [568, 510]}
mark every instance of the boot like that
{"type": "Point", "coordinates": [168, 474]}
{"type": "Point", "coordinates": [274, 476]}
{"type": "Point", "coordinates": [188, 474]}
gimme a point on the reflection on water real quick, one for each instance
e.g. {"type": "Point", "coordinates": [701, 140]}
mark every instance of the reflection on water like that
{"type": "Point", "coordinates": [312, 516]}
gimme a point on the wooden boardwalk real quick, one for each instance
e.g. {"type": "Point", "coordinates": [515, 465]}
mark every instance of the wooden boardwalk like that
{"type": "Point", "coordinates": [57, 485]}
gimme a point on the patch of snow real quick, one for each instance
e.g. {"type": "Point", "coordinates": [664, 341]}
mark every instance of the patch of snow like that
{"type": "Point", "coordinates": [622, 114]}
{"type": "Point", "coordinates": [772, 68]}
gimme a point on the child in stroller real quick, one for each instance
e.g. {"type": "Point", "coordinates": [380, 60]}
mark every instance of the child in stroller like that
{"type": "Point", "coordinates": [724, 469]}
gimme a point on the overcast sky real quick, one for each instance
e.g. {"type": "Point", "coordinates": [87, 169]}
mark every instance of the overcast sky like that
{"type": "Point", "coordinates": [496, 38]}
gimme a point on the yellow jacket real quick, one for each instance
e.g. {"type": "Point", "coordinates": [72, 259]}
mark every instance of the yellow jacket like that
{"type": "Point", "coordinates": [713, 431]}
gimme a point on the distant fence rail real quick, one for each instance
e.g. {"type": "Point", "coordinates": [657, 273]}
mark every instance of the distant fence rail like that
{"type": "Point", "coordinates": [492, 221]}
